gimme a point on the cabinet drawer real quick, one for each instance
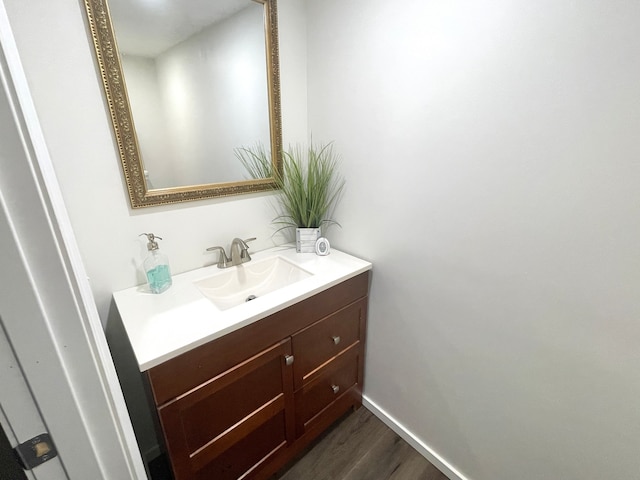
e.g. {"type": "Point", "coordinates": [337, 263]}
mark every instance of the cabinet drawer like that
{"type": "Point", "coordinates": [188, 370]}
{"type": "Point", "coordinates": [249, 400]}
{"type": "Point", "coordinates": [319, 343]}
{"type": "Point", "coordinates": [334, 380]}
{"type": "Point", "coordinates": [228, 412]}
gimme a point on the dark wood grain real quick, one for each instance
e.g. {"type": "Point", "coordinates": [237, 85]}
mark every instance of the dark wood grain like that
{"type": "Point", "coordinates": [180, 374]}
{"type": "Point", "coordinates": [315, 345]}
{"type": "Point", "coordinates": [316, 395]}
{"type": "Point", "coordinates": [232, 409]}
{"type": "Point", "coordinates": [358, 447]}
{"type": "Point", "coordinates": [247, 401]}
{"type": "Point", "coordinates": [361, 447]}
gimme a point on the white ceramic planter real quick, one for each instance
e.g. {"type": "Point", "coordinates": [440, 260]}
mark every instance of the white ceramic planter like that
{"type": "Point", "coordinates": [306, 239]}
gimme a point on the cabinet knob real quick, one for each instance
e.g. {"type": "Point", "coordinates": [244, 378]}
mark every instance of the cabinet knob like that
{"type": "Point", "coordinates": [335, 388]}
{"type": "Point", "coordinates": [336, 339]}
{"type": "Point", "coordinates": [288, 359]}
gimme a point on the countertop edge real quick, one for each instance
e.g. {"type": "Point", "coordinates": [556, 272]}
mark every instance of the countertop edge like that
{"type": "Point", "coordinates": [146, 361]}
{"type": "Point", "coordinates": [147, 365]}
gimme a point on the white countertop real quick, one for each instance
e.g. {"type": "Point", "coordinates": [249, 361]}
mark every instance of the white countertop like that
{"type": "Point", "coordinates": [162, 326]}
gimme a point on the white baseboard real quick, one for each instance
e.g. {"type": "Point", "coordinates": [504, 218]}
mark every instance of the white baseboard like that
{"type": "Point", "coordinates": [423, 449]}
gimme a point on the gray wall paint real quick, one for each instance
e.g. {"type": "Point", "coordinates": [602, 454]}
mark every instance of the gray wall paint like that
{"type": "Point", "coordinates": [491, 158]}
{"type": "Point", "coordinates": [491, 152]}
{"type": "Point", "coordinates": [57, 54]}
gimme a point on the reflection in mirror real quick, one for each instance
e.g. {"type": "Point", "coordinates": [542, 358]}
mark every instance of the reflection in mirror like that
{"type": "Point", "coordinates": [202, 79]}
{"type": "Point", "coordinates": [200, 96]}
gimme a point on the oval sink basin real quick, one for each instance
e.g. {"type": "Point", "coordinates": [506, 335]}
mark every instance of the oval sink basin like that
{"type": "Point", "coordinates": [248, 281]}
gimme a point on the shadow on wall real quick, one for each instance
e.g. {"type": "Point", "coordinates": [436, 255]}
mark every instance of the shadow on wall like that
{"type": "Point", "coordinates": [133, 386]}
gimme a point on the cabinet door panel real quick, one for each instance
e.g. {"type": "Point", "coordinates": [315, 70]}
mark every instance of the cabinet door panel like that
{"type": "Point", "coordinates": [324, 340]}
{"type": "Point", "coordinates": [250, 453]}
{"type": "Point", "coordinates": [203, 426]}
{"type": "Point", "coordinates": [188, 370]}
{"type": "Point", "coordinates": [221, 409]}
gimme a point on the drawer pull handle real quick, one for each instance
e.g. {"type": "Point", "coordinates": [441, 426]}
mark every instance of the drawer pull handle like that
{"type": "Point", "coordinates": [336, 339]}
{"type": "Point", "coordinates": [335, 388]}
{"type": "Point", "coordinates": [288, 360]}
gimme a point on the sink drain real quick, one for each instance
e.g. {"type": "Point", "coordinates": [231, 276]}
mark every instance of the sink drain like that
{"type": "Point", "coordinates": [250, 297]}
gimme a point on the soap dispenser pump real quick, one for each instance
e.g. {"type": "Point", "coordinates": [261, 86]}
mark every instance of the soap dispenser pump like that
{"type": "Point", "coordinates": [156, 266]}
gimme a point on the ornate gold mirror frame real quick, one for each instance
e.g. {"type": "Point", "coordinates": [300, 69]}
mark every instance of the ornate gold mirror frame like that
{"type": "Point", "coordinates": [108, 58]}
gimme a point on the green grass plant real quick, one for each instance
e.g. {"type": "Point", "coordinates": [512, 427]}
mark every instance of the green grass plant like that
{"type": "Point", "coordinates": [309, 182]}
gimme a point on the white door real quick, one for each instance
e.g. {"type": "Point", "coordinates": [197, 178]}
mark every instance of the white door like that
{"type": "Point", "coordinates": [19, 415]}
{"type": "Point", "coordinates": [56, 373]}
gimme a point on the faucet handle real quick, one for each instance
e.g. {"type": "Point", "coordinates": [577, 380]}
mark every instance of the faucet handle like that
{"type": "Point", "coordinates": [244, 254]}
{"type": "Point", "coordinates": [246, 240]}
{"type": "Point", "coordinates": [223, 260]}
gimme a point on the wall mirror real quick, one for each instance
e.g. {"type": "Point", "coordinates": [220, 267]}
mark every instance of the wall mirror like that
{"type": "Point", "coordinates": [187, 82]}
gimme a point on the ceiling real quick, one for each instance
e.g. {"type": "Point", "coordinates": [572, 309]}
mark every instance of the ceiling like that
{"type": "Point", "coordinates": [149, 27]}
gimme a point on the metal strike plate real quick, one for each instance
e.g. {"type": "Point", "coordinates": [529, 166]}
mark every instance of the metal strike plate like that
{"type": "Point", "coordinates": [36, 451]}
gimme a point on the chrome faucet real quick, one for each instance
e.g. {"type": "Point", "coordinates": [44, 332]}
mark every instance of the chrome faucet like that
{"type": "Point", "coordinates": [239, 253]}
{"type": "Point", "coordinates": [223, 260]}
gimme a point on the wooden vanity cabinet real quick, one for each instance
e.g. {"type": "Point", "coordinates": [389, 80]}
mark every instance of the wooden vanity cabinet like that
{"type": "Point", "coordinates": [243, 405]}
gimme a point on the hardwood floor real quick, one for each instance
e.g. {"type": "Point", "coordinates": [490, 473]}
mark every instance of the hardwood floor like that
{"type": "Point", "coordinates": [361, 447]}
{"type": "Point", "coordinates": [358, 447]}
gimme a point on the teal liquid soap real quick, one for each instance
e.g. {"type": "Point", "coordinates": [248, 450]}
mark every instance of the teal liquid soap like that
{"type": "Point", "coordinates": [156, 265]}
{"type": "Point", "coordinates": [159, 278]}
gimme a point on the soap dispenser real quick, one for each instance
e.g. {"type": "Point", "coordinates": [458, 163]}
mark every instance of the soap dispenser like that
{"type": "Point", "coordinates": [156, 266]}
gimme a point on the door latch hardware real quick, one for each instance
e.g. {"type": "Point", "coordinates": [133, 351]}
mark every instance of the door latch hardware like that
{"type": "Point", "coordinates": [36, 451]}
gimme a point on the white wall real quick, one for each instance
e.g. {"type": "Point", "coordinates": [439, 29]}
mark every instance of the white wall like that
{"type": "Point", "coordinates": [157, 150]}
{"type": "Point", "coordinates": [199, 100]}
{"type": "Point", "coordinates": [214, 90]}
{"type": "Point", "coordinates": [57, 53]}
{"type": "Point", "coordinates": [70, 102]}
{"type": "Point", "coordinates": [496, 145]}
{"type": "Point", "coordinates": [491, 153]}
